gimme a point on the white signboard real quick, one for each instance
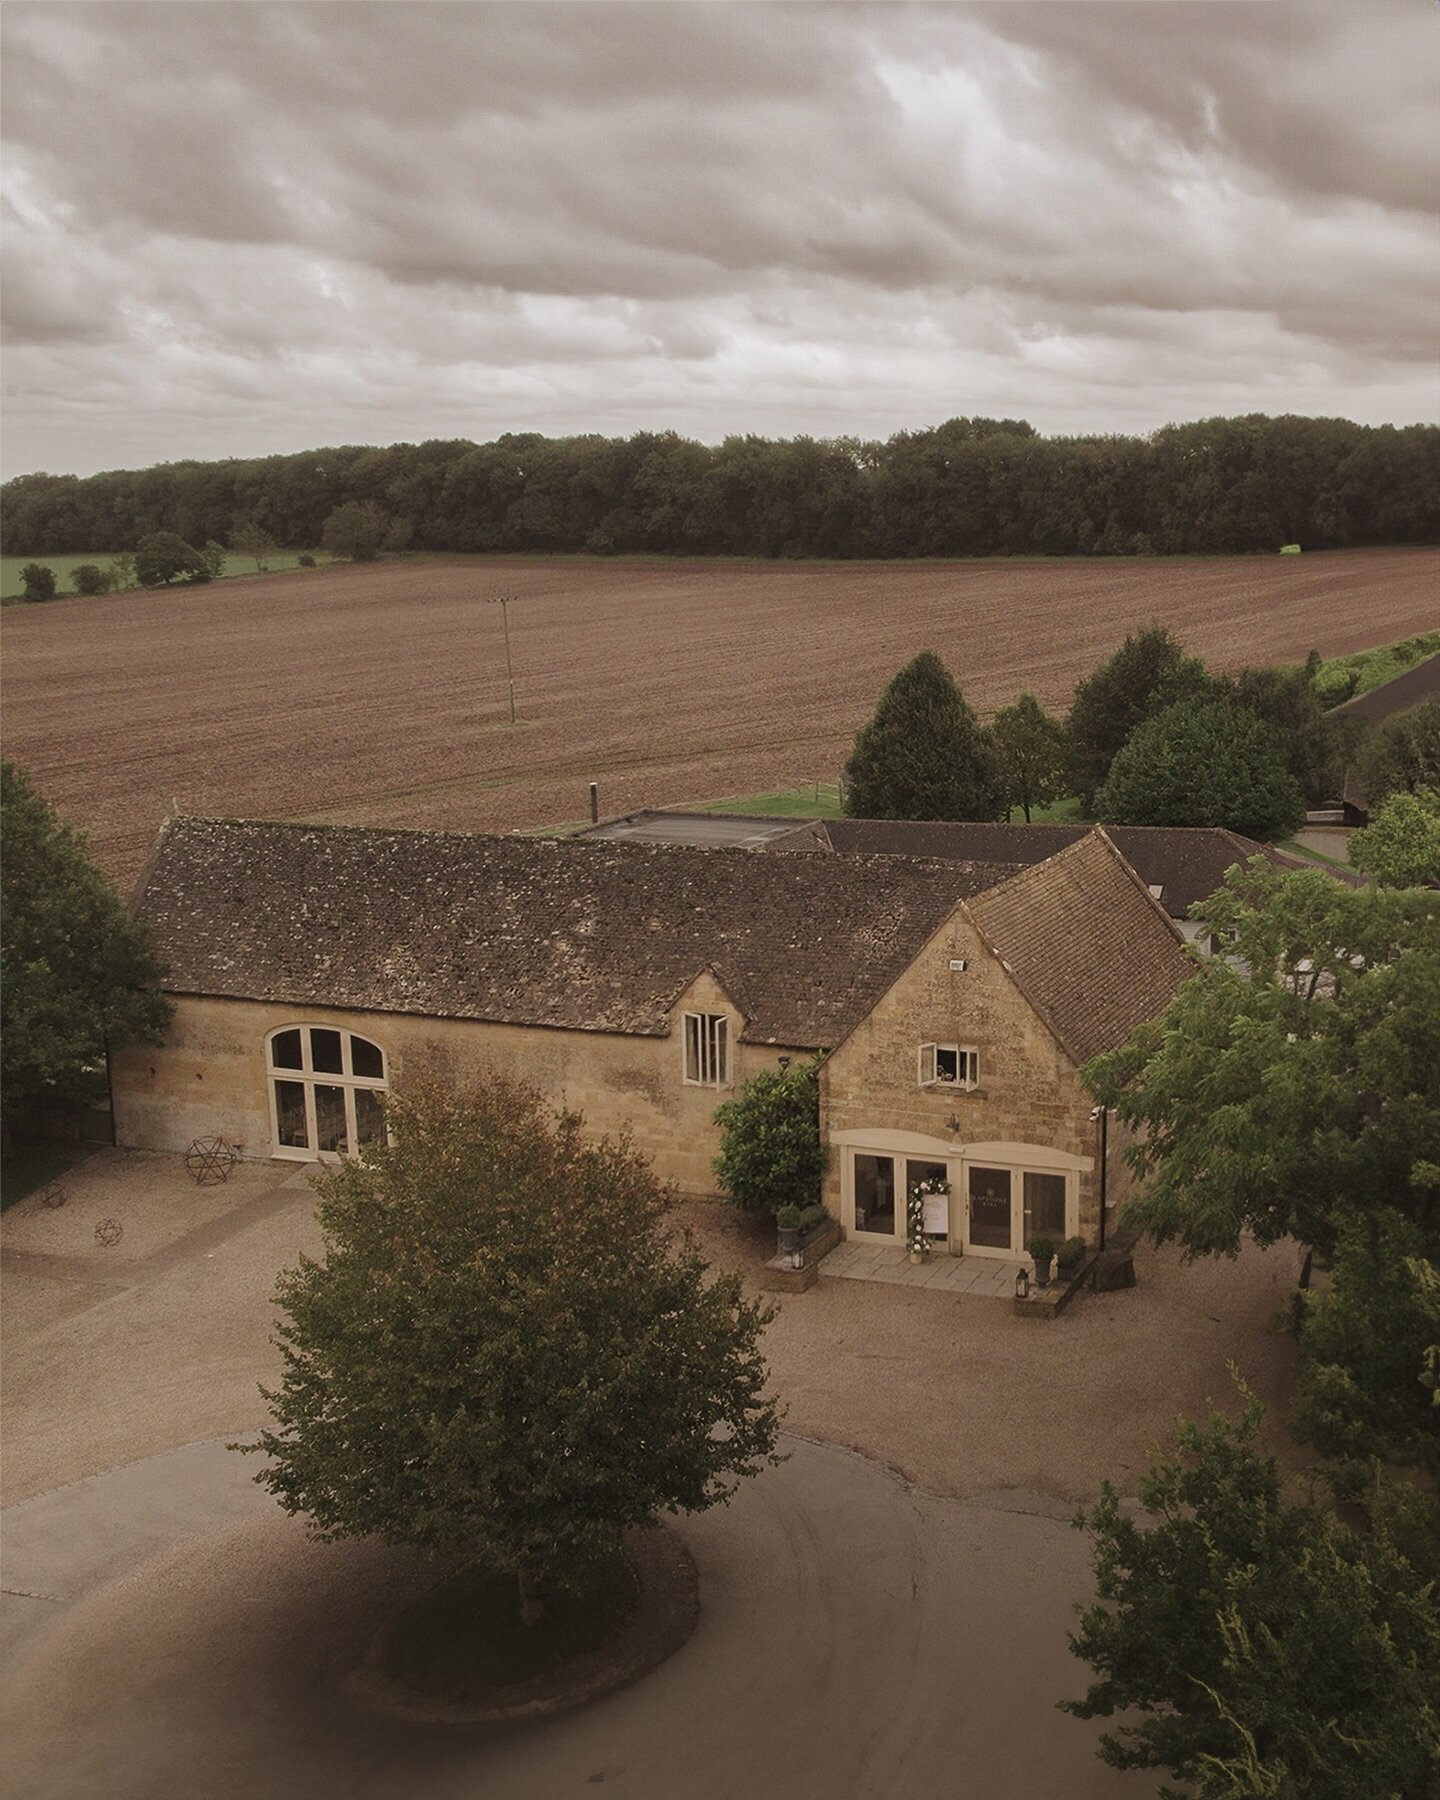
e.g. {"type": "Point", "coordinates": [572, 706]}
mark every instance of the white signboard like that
{"type": "Point", "coordinates": [937, 1215]}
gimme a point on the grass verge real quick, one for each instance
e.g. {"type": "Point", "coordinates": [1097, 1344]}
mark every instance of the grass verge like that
{"type": "Point", "coordinates": [814, 800]}
{"type": "Point", "coordinates": [466, 1637]}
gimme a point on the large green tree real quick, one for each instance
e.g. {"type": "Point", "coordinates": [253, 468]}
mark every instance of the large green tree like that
{"type": "Point", "coordinates": [924, 755]}
{"type": "Point", "coordinates": [164, 557]}
{"type": "Point", "coordinates": [78, 972]}
{"type": "Point", "coordinates": [1034, 753]}
{"type": "Point", "coordinates": [1400, 846]}
{"type": "Point", "coordinates": [1148, 673]}
{"type": "Point", "coordinates": [504, 1351]}
{"type": "Point", "coordinates": [1261, 1649]}
{"type": "Point", "coordinates": [356, 531]}
{"type": "Point", "coordinates": [1369, 1344]}
{"type": "Point", "coordinates": [1313, 744]}
{"type": "Point", "coordinates": [1203, 762]}
{"type": "Point", "coordinates": [1402, 754]}
{"type": "Point", "coordinates": [1293, 1084]}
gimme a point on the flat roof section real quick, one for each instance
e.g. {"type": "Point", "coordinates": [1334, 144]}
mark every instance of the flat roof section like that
{"type": "Point", "coordinates": [714, 831]}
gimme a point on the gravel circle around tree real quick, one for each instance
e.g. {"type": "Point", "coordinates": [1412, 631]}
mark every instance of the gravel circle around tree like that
{"type": "Point", "coordinates": [665, 1617]}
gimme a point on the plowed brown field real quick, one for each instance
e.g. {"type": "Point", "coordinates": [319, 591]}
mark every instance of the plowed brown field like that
{"type": "Point", "coordinates": [377, 695]}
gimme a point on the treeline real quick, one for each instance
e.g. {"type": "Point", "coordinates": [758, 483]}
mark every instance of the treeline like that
{"type": "Point", "coordinates": [970, 487]}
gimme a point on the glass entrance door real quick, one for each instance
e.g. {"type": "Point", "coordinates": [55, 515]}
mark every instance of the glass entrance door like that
{"type": "Point", "coordinates": [989, 1205]}
{"type": "Point", "coordinates": [875, 1195]}
{"type": "Point", "coordinates": [936, 1206]}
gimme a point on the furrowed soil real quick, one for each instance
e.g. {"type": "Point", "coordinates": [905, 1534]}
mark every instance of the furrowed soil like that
{"type": "Point", "coordinates": [377, 695]}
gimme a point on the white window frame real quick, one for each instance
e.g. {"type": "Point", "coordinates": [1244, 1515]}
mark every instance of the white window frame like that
{"type": "Point", "coordinates": [309, 1077]}
{"type": "Point", "coordinates": [967, 1066]}
{"type": "Point", "coordinates": [705, 1049]}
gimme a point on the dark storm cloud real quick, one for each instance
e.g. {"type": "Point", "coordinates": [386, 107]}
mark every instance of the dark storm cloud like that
{"type": "Point", "coordinates": [240, 227]}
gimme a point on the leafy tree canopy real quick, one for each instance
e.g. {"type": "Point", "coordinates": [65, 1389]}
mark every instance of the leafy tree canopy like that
{"type": "Point", "coordinates": [164, 557]}
{"type": "Point", "coordinates": [1369, 1347]}
{"type": "Point", "coordinates": [1314, 746]}
{"type": "Point", "coordinates": [1296, 1083]}
{"type": "Point", "coordinates": [1034, 753]}
{"type": "Point", "coordinates": [1270, 1651]}
{"type": "Point", "coordinates": [1148, 673]}
{"type": "Point", "coordinates": [924, 755]}
{"type": "Point", "coordinates": [356, 530]}
{"type": "Point", "coordinates": [37, 580]}
{"type": "Point", "coordinates": [252, 540]}
{"type": "Point", "coordinates": [78, 972]}
{"type": "Point", "coordinates": [1400, 846]}
{"type": "Point", "coordinates": [770, 1150]}
{"type": "Point", "coordinates": [89, 578]}
{"type": "Point", "coordinates": [1402, 754]}
{"type": "Point", "coordinates": [1203, 762]}
{"type": "Point", "coordinates": [503, 1350]}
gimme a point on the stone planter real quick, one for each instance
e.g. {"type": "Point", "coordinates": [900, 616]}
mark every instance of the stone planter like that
{"type": "Point", "coordinates": [1042, 1271]}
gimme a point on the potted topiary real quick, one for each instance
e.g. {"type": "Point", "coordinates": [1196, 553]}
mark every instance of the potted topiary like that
{"type": "Point", "coordinates": [1069, 1254]}
{"type": "Point", "coordinates": [1042, 1250]}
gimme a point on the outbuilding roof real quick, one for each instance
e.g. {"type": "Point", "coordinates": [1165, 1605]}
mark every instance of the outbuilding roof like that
{"type": "Point", "coordinates": [583, 935]}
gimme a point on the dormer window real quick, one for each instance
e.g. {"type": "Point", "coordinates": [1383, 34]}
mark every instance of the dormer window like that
{"type": "Point", "coordinates": [707, 1049]}
{"type": "Point", "coordinates": [949, 1066]}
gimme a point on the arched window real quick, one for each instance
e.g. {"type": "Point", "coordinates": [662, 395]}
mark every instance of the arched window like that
{"type": "Point", "coordinates": [327, 1090]}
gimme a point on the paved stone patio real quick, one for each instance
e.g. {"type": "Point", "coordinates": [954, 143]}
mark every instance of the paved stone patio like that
{"type": "Point", "coordinates": [986, 1276]}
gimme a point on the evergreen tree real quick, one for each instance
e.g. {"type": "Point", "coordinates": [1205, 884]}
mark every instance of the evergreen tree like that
{"type": "Point", "coordinates": [924, 755]}
{"type": "Point", "coordinates": [1203, 763]}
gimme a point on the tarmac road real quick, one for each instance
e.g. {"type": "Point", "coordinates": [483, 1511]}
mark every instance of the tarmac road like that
{"type": "Point", "coordinates": [857, 1638]}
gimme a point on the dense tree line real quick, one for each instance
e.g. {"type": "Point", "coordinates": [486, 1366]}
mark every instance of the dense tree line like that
{"type": "Point", "coordinates": [969, 487]}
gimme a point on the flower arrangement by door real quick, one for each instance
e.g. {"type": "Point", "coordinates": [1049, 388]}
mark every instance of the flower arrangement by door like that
{"type": "Point", "coordinates": [916, 1195]}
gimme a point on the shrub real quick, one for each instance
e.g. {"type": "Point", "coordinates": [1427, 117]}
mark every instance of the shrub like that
{"type": "Point", "coordinates": [38, 581]}
{"type": "Point", "coordinates": [1041, 1247]}
{"type": "Point", "coordinates": [788, 1218]}
{"type": "Point", "coordinates": [307, 561]}
{"type": "Point", "coordinates": [89, 578]}
{"type": "Point", "coordinates": [770, 1150]}
{"type": "Point", "coordinates": [1071, 1251]}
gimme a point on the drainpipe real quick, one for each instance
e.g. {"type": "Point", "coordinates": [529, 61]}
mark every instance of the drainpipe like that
{"type": "Point", "coordinates": [1104, 1112]}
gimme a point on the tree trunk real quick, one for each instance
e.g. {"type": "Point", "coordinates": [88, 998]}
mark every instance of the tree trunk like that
{"type": "Point", "coordinates": [532, 1594]}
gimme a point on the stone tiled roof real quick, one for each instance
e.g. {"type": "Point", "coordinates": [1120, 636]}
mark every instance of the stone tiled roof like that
{"type": "Point", "coordinates": [590, 936]}
{"type": "Point", "coordinates": [1086, 945]}
{"type": "Point", "coordinates": [1186, 863]}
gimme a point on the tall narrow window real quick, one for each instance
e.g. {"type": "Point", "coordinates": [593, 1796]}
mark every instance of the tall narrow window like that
{"type": "Point", "coordinates": [327, 1089]}
{"type": "Point", "coordinates": [707, 1049]}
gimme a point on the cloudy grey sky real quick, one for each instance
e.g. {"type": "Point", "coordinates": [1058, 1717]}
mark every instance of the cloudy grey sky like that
{"type": "Point", "coordinates": [252, 226]}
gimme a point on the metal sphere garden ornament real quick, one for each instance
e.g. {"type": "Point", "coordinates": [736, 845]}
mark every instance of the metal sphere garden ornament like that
{"type": "Point", "coordinates": [210, 1160]}
{"type": "Point", "coordinates": [109, 1233]}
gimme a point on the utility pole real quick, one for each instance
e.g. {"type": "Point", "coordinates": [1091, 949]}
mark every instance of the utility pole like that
{"type": "Point", "coordinates": [503, 602]}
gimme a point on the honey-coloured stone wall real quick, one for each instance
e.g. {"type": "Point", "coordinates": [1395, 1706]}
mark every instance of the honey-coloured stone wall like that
{"type": "Point", "coordinates": [1029, 1090]}
{"type": "Point", "coordinates": [208, 1078]}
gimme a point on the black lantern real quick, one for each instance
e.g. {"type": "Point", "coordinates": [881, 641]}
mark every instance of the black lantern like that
{"type": "Point", "coordinates": [1022, 1284]}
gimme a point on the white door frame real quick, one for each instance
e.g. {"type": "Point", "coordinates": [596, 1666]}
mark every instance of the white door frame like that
{"type": "Point", "coordinates": [1014, 1157]}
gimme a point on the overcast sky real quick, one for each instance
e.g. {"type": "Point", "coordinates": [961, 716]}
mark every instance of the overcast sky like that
{"type": "Point", "coordinates": [243, 227]}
